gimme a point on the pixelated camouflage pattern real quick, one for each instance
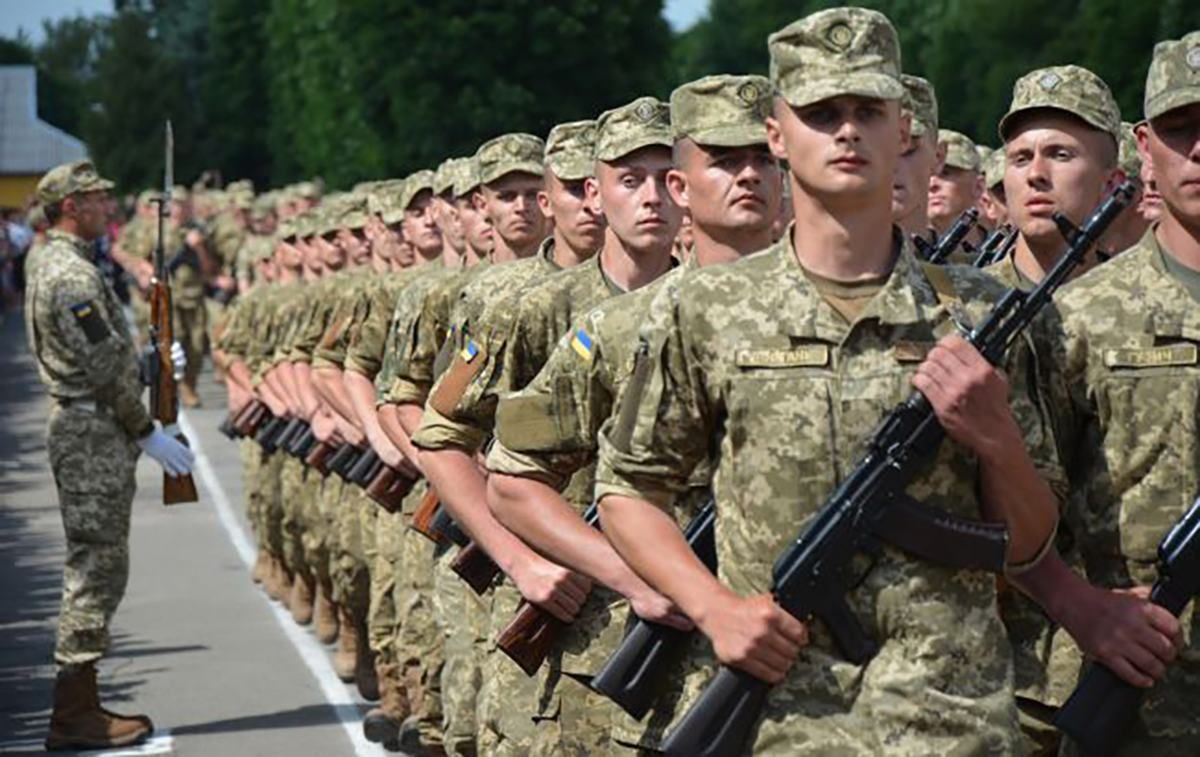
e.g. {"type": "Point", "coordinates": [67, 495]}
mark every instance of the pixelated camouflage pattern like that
{"type": "Point", "coordinates": [510, 153]}
{"type": "Point", "coordinates": [756, 363]}
{"type": "Point", "coordinates": [1132, 376]}
{"type": "Point", "coordinates": [67, 179]}
{"type": "Point", "coordinates": [571, 150]}
{"type": "Point", "coordinates": [468, 180]}
{"type": "Point", "coordinates": [508, 700]}
{"type": "Point", "coordinates": [1128, 158]}
{"type": "Point", "coordinates": [463, 618]}
{"type": "Point", "coordinates": [840, 51]}
{"type": "Point", "coordinates": [414, 336]}
{"type": "Point", "coordinates": [722, 110]}
{"type": "Point", "coordinates": [1173, 80]}
{"type": "Point", "coordinates": [920, 102]}
{"type": "Point", "coordinates": [365, 349]}
{"type": "Point", "coordinates": [65, 290]}
{"type": "Point", "coordinates": [960, 150]}
{"type": "Point", "coordinates": [1072, 89]}
{"type": "Point", "coordinates": [641, 123]}
{"type": "Point", "coordinates": [415, 184]}
{"type": "Point", "coordinates": [993, 168]}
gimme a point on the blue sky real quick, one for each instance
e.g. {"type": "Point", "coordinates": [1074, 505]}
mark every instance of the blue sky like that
{"type": "Point", "coordinates": [28, 14]}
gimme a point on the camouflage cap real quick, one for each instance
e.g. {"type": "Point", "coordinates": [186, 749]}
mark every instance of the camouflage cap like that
{"type": "Point", "coordinates": [146, 196]}
{"type": "Point", "coordinates": [467, 180]}
{"type": "Point", "coordinates": [384, 200]}
{"type": "Point", "coordinates": [415, 184]}
{"type": "Point", "coordinates": [839, 51]}
{"type": "Point", "coordinates": [69, 179]}
{"type": "Point", "coordinates": [443, 179]}
{"type": "Point", "coordinates": [309, 190]}
{"type": "Point", "coordinates": [983, 151]}
{"type": "Point", "coordinates": [1174, 77]}
{"type": "Point", "coordinates": [1128, 158]}
{"type": "Point", "coordinates": [644, 122]}
{"type": "Point", "coordinates": [1071, 89]}
{"type": "Point", "coordinates": [510, 153]}
{"type": "Point", "coordinates": [245, 186]}
{"type": "Point", "coordinates": [993, 168]}
{"type": "Point", "coordinates": [722, 111]}
{"type": "Point", "coordinates": [571, 150]}
{"type": "Point", "coordinates": [960, 150]}
{"type": "Point", "coordinates": [366, 187]}
{"type": "Point", "coordinates": [36, 217]}
{"type": "Point", "coordinates": [920, 102]}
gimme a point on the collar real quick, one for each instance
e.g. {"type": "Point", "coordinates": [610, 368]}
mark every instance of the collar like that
{"type": "Point", "coordinates": [83, 249]}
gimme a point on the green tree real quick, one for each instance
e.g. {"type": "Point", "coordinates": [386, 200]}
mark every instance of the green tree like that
{"type": "Point", "coordinates": [234, 89]}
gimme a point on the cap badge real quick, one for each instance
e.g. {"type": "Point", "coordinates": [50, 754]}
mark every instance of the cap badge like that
{"type": "Point", "coordinates": [1193, 58]}
{"type": "Point", "coordinates": [1049, 81]}
{"type": "Point", "coordinates": [749, 93]}
{"type": "Point", "coordinates": [513, 148]}
{"type": "Point", "coordinates": [840, 35]}
{"type": "Point", "coordinates": [644, 111]}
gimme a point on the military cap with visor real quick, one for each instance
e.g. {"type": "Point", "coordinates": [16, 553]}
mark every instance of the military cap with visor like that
{"type": "Point", "coordinates": [645, 122]}
{"type": "Point", "coordinates": [1173, 80]}
{"type": "Point", "coordinates": [722, 110]}
{"type": "Point", "coordinates": [920, 102]}
{"type": "Point", "coordinates": [69, 179]}
{"type": "Point", "coordinates": [571, 150]}
{"type": "Point", "coordinates": [835, 52]}
{"type": "Point", "coordinates": [510, 153]}
{"type": "Point", "coordinates": [1070, 89]}
{"type": "Point", "coordinates": [960, 150]}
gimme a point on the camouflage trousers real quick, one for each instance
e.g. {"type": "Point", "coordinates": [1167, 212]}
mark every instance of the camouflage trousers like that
{"type": "Point", "coordinates": [463, 618]}
{"type": "Point", "coordinates": [191, 331]}
{"type": "Point", "coordinates": [94, 464]}
{"type": "Point", "coordinates": [348, 564]}
{"type": "Point", "coordinates": [251, 460]}
{"type": "Point", "coordinates": [508, 698]}
{"type": "Point", "coordinates": [270, 516]}
{"type": "Point", "coordinates": [320, 538]}
{"type": "Point", "coordinates": [295, 491]}
{"type": "Point", "coordinates": [418, 643]}
{"type": "Point", "coordinates": [574, 721]}
{"type": "Point", "coordinates": [381, 617]}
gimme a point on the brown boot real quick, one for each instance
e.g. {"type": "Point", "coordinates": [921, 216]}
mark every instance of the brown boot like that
{"type": "Point", "coordinates": [381, 725]}
{"type": "Point", "coordinates": [301, 602]}
{"type": "Point", "coordinates": [285, 584]}
{"type": "Point", "coordinates": [271, 580]}
{"type": "Point", "coordinates": [325, 616]}
{"type": "Point", "coordinates": [261, 566]}
{"type": "Point", "coordinates": [365, 678]}
{"type": "Point", "coordinates": [79, 722]}
{"type": "Point", "coordinates": [187, 395]}
{"type": "Point", "coordinates": [345, 660]}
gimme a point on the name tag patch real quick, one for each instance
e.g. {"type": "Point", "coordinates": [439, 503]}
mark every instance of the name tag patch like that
{"type": "Point", "coordinates": [808, 356]}
{"type": "Point", "coordinates": [911, 352]}
{"type": "Point", "coordinates": [1152, 357]}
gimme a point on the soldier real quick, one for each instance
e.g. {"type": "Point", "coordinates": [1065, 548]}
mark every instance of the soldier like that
{"type": "Point", "coordinates": [1130, 371]}
{"type": "Point", "coordinates": [758, 365]}
{"type": "Point", "coordinates": [1131, 225]}
{"type": "Point", "coordinates": [920, 160]}
{"type": "Point", "coordinates": [731, 186]}
{"type": "Point", "coordinates": [1060, 139]}
{"type": "Point", "coordinates": [88, 363]}
{"type": "Point", "coordinates": [992, 210]}
{"type": "Point", "coordinates": [957, 185]}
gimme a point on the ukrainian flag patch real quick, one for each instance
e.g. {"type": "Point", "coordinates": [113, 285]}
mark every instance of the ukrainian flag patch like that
{"type": "Point", "coordinates": [582, 344]}
{"type": "Point", "coordinates": [82, 309]}
{"type": "Point", "coordinates": [469, 352]}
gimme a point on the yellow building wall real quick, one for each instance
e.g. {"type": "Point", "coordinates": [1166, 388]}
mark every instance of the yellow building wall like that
{"type": "Point", "coordinates": [16, 190]}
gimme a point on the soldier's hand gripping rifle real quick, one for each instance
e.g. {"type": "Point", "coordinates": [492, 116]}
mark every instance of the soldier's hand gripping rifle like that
{"type": "Point", "coordinates": [164, 398]}
{"type": "Point", "coordinates": [1102, 707]}
{"type": "Point", "coordinates": [870, 506]}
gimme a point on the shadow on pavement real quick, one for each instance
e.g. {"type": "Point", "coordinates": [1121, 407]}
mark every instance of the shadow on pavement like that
{"type": "Point", "coordinates": [299, 717]}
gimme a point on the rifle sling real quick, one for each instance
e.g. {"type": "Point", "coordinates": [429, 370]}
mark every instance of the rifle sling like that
{"type": "Point", "coordinates": [939, 537]}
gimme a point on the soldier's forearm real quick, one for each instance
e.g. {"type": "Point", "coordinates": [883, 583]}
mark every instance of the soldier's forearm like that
{"type": "Point", "coordinates": [328, 383]}
{"type": "Point", "coordinates": [1013, 493]}
{"type": "Point", "coordinates": [309, 399]}
{"type": "Point", "coordinates": [389, 420]}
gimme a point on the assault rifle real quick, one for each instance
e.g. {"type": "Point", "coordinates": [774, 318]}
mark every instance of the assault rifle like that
{"type": "Point", "coordinates": [631, 675]}
{"type": "Point", "coordinates": [954, 236]}
{"type": "Point", "coordinates": [164, 397]}
{"type": "Point", "coordinates": [1102, 707]}
{"type": "Point", "coordinates": [870, 506]}
{"type": "Point", "coordinates": [996, 246]}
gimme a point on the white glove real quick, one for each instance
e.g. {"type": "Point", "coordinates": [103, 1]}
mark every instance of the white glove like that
{"type": "Point", "coordinates": [178, 360]}
{"type": "Point", "coordinates": [174, 456]}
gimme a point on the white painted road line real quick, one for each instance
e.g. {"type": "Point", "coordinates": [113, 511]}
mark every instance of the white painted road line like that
{"type": "Point", "coordinates": [310, 650]}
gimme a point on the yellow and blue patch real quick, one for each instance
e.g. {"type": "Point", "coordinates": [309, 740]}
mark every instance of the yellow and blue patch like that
{"type": "Point", "coordinates": [582, 344]}
{"type": "Point", "coordinates": [469, 352]}
{"type": "Point", "coordinates": [82, 309]}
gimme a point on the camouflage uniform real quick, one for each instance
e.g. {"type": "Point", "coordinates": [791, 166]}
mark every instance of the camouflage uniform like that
{"type": "Point", "coordinates": [88, 363]}
{"type": "Point", "coordinates": [1132, 368]}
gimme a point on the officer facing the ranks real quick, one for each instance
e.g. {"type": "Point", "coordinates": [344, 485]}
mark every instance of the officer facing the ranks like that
{"type": "Point", "coordinates": [1132, 375]}
{"type": "Point", "coordinates": [755, 364]}
{"type": "Point", "coordinates": [919, 161]}
{"type": "Point", "coordinates": [87, 361]}
{"type": "Point", "coordinates": [957, 184]}
{"type": "Point", "coordinates": [728, 181]}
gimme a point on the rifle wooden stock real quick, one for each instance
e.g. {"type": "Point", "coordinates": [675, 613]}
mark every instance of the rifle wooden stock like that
{"type": "Point", "coordinates": [250, 418]}
{"type": "Point", "coordinates": [529, 637]}
{"type": "Point", "coordinates": [389, 488]}
{"type": "Point", "coordinates": [343, 460]}
{"type": "Point", "coordinates": [422, 518]}
{"type": "Point", "coordinates": [474, 566]}
{"type": "Point", "coordinates": [318, 458]}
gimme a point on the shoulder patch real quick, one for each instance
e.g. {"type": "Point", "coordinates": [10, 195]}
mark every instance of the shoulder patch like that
{"type": "Point", "coordinates": [335, 332]}
{"type": "Point", "coordinates": [89, 319]}
{"type": "Point", "coordinates": [453, 384]}
{"type": "Point", "coordinates": [536, 423]}
{"type": "Point", "coordinates": [582, 344]}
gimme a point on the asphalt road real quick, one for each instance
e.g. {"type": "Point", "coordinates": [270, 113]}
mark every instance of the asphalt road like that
{"type": "Point", "coordinates": [196, 645]}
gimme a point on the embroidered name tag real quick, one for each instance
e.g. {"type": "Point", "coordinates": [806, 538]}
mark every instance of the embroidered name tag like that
{"type": "Point", "coordinates": [911, 352]}
{"type": "Point", "coordinates": [1151, 357]}
{"type": "Point", "coordinates": [809, 356]}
